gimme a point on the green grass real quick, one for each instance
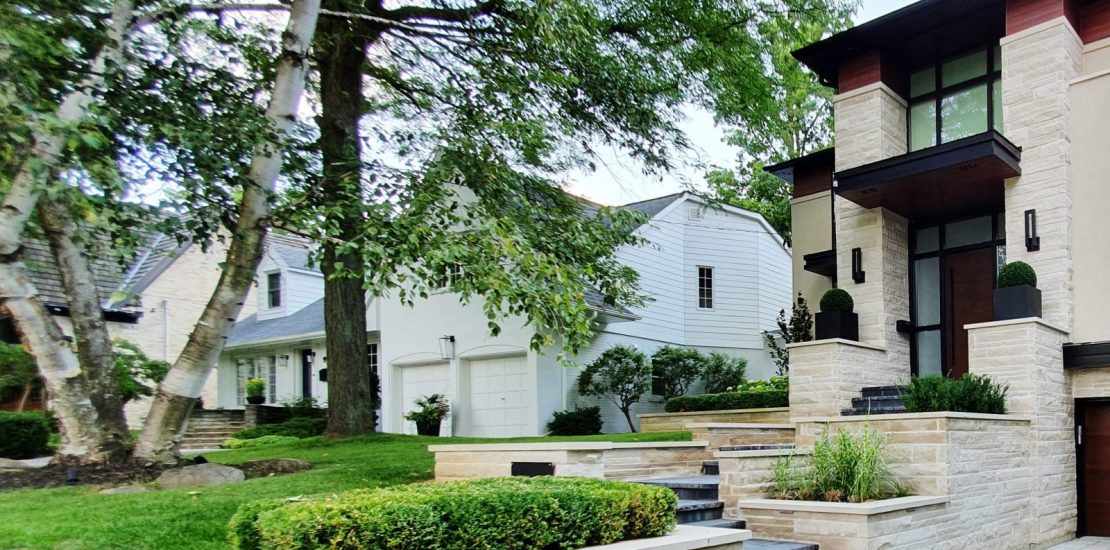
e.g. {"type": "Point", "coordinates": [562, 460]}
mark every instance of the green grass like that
{"type": "Point", "coordinates": [77, 518]}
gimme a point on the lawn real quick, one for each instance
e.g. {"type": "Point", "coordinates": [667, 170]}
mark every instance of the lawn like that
{"type": "Point", "coordinates": [77, 518]}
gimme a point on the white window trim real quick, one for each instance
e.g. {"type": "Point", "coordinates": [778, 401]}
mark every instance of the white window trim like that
{"type": "Point", "coordinates": [712, 287]}
{"type": "Point", "coordinates": [281, 291]}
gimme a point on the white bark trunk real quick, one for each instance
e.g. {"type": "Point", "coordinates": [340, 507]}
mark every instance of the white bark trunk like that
{"type": "Point", "coordinates": [170, 411]}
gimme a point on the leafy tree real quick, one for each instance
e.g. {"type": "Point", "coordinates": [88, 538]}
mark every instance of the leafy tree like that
{"type": "Point", "coordinates": [621, 374]}
{"type": "Point", "coordinates": [792, 120]}
{"type": "Point", "coordinates": [18, 372]}
{"type": "Point", "coordinates": [723, 373]}
{"type": "Point", "coordinates": [798, 329]}
{"type": "Point", "coordinates": [674, 369]}
{"type": "Point", "coordinates": [138, 374]}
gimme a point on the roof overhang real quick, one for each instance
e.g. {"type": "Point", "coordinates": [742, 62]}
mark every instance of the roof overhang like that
{"type": "Point", "coordinates": [822, 263]}
{"type": "Point", "coordinates": [127, 316]}
{"type": "Point", "coordinates": [1087, 355]}
{"type": "Point", "coordinates": [926, 183]}
{"type": "Point", "coordinates": [787, 169]}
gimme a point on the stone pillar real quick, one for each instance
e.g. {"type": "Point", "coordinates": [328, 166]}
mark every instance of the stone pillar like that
{"type": "Point", "coordinates": [870, 124]}
{"type": "Point", "coordinates": [1027, 355]}
{"type": "Point", "coordinates": [1038, 63]}
{"type": "Point", "coordinates": [826, 374]}
{"type": "Point", "coordinates": [251, 415]}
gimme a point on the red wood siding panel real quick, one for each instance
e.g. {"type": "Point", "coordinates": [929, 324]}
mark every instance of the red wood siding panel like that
{"type": "Point", "coordinates": [1023, 14]}
{"type": "Point", "coordinates": [1094, 21]}
{"type": "Point", "coordinates": [810, 180]}
{"type": "Point", "coordinates": [859, 71]}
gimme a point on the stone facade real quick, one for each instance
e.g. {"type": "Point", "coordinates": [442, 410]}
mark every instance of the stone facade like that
{"type": "Point", "coordinates": [826, 374]}
{"type": "Point", "coordinates": [677, 422]}
{"type": "Point", "coordinates": [870, 124]}
{"type": "Point", "coordinates": [843, 526]}
{"type": "Point", "coordinates": [746, 475]}
{"type": "Point", "coordinates": [722, 434]}
{"type": "Point", "coordinates": [1090, 382]}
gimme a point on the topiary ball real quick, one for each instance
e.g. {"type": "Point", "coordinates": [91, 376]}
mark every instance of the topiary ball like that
{"type": "Point", "coordinates": [837, 299]}
{"type": "Point", "coordinates": [1017, 274]}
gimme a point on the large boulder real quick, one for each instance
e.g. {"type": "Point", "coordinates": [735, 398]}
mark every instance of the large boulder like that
{"type": "Point", "coordinates": [274, 466]}
{"type": "Point", "coordinates": [199, 475]}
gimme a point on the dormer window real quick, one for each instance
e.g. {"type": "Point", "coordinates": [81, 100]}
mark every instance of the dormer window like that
{"type": "Point", "coordinates": [965, 90]}
{"type": "Point", "coordinates": [273, 290]}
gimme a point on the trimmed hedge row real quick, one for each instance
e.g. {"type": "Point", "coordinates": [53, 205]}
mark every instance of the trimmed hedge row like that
{"type": "Point", "coordinates": [24, 435]}
{"type": "Point", "coordinates": [729, 400]}
{"type": "Point", "coordinates": [294, 427]}
{"type": "Point", "coordinates": [510, 513]}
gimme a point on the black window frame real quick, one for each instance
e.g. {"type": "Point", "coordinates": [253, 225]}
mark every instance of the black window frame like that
{"type": "Point", "coordinates": [705, 287]}
{"type": "Point", "coordinates": [273, 292]}
{"type": "Point", "coordinates": [993, 74]}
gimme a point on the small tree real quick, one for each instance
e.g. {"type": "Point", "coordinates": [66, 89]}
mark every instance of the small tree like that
{"type": "Point", "coordinates": [798, 329]}
{"type": "Point", "coordinates": [17, 372]}
{"type": "Point", "coordinates": [723, 373]}
{"type": "Point", "coordinates": [621, 375]}
{"type": "Point", "coordinates": [138, 374]}
{"type": "Point", "coordinates": [674, 369]}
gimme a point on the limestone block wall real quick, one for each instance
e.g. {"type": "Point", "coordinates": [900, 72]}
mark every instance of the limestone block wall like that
{"type": "Point", "coordinates": [1038, 64]}
{"type": "Point", "coordinates": [1091, 382]}
{"type": "Point", "coordinates": [728, 434]}
{"type": "Point", "coordinates": [677, 422]}
{"type": "Point", "coordinates": [1026, 354]}
{"type": "Point", "coordinates": [826, 374]}
{"type": "Point", "coordinates": [745, 475]}
{"type": "Point", "coordinates": [870, 125]}
{"type": "Point", "coordinates": [906, 528]}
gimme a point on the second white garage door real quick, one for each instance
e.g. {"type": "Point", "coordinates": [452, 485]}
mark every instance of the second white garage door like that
{"type": "Point", "coordinates": [418, 381]}
{"type": "Point", "coordinates": [500, 397]}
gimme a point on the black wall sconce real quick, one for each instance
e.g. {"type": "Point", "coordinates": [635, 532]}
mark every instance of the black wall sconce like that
{"type": "Point", "coordinates": [1032, 241]}
{"type": "Point", "coordinates": [858, 274]}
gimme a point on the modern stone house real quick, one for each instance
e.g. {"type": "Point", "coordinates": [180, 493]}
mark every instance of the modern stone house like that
{"type": "Point", "coordinates": [970, 133]}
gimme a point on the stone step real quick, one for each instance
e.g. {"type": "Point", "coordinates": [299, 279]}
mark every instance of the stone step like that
{"type": "Point", "coordinates": [768, 447]}
{"type": "Point", "coordinates": [690, 510]}
{"type": "Point", "coordinates": [721, 523]}
{"type": "Point", "coordinates": [710, 467]}
{"type": "Point", "coordinates": [872, 411]}
{"type": "Point", "coordinates": [884, 402]}
{"type": "Point", "coordinates": [203, 442]}
{"type": "Point", "coordinates": [882, 391]}
{"type": "Point", "coordinates": [225, 429]}
{"type": "Point", "coordinates": [690, 488]}
{"type": "Point", "coordinates": [761, 544]}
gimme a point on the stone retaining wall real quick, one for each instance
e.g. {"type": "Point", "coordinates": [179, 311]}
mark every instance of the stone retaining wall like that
{"type": "Point", "coordinates": [908, 523]}
{"type": "Point", "coordinates": [746, 475]}
{"type": "Point", "coordinates": [676, 422]}
{"type": "Point", "coordinates": [724, 434]}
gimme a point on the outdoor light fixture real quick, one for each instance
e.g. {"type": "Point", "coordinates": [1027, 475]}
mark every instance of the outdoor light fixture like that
{"type": "Point", "coordinates": [858, 274]}
{"type": "Point", "coordinates": [447, 347]}
{"type": "Point", "coordinates": [1032, 241]}
{"type": "Point", "coordinates": [283, 361]}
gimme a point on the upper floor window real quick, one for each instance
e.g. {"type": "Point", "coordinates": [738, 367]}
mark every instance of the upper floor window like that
{"type": "Point", "coordinates": [705, 287]}
{"type": "Point", "coordinates": [273, 290]}
{"type": "Point", "coordinates": [966, 91]}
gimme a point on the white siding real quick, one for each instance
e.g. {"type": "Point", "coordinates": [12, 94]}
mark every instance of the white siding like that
{"type": "Point", "coordinates": [659, 264]}
{"type": "Point", "coordinates": [299, 288]}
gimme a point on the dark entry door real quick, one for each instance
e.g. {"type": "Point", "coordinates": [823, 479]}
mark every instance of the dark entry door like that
{"type": "Point", "coordinates": [969, 297]}
{"type": "Point", "coordinates": [1093, 450]}
{"type": "Point", "coordinates": [306, 373]}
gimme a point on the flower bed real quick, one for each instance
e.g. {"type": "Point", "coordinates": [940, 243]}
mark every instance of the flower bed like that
{"type": "Point", "coordinates": [539, 512]}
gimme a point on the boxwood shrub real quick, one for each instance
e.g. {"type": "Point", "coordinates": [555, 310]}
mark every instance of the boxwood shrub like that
{"type": "Point", "coordinates": [294, 427]}
{"type": "Point", "coordinates": [729, 400]}
{"type": "Point", "coordinates": [971, 393]}
{"type": "Point", "coordinates": [583, 421]}
{"type": "Point", "coordinates": [509, 513]}
{"type": "Point", "coordinates": [23, 435]}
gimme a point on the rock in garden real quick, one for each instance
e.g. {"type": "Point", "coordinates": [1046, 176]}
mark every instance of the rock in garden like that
{"type": "Point", "coordinates": [124, 490]}
{"type": "Point", "coordinates": [9, 464]}
{"type": "Point", "coordinates": [263, 468]}
{"type": "Point", "coordinates": [200, 475]}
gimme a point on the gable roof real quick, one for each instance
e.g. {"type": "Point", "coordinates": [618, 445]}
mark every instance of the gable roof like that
{"type": "Point", "coordinates": [308, 321]}
{"type": "Point", "coordinates": [293, 251]}
{"type": "Point", "coordinates": [651, 207]}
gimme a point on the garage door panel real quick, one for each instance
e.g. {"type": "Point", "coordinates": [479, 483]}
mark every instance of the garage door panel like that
{"type": "Point", "coordinates": [418, 381]}
{"type": "Point", "coordinates": [499, 397]}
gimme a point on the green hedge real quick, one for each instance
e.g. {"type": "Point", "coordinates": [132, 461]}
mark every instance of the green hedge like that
{"type": "Point", "coordinates": [971, 393]}
{"type": "Point", "coordinates": [23, 435]}
{"type": "Point", "coordinates": [729, 400]}
{"type": "Point", "coordinates": [508, 513]}
{"type": "Point", "coordinates": [294, 427]}
{"type": "Point", "coordinates": [257, 442]}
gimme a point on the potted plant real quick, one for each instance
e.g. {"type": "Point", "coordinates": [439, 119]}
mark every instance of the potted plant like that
{"type": "Point", "coordinates": [836, 319]}
{"type": "Point", "coordinates": [431, 412]}
{"type": "Point", "coordinates": [1016, 295]}
{"type": "Point", "coordinates": [256, 391]}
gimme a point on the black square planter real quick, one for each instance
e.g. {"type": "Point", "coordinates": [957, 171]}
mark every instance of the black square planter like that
{"type": "Point", "coordinates": [1016, 302]}
{"type": "Point", "coordinates": [836, 324]}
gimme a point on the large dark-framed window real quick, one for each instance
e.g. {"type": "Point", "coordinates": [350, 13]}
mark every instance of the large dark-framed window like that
{"type": "Point", "coordinates": [931, 242]}
{"type": "Point", "coordinates": [958, 97]}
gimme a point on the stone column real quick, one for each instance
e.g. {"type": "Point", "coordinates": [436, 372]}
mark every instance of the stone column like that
{"type": "Point", "coordinates": [1027, 355]}
{"type": "Point", "coordinates": [870, 124]}
{"type": "Point", "coordinates": [1038, 64]}
{"type": "Point", "coordinates": [252, 415]}
{"type": "Point", "coordinates": [826, 374]}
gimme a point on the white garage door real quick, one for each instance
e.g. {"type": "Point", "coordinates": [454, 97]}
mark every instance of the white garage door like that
{"type": "Point", "coordinates": [418, 381]}
{"type": "Point", "coordinates": [499, 397]}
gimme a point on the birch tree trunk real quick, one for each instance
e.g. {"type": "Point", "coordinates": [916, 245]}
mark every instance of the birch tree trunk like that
{"type": "Point", "coordinates": [170, 411]}
{"type": "Point", "coordinates": [83, 440]}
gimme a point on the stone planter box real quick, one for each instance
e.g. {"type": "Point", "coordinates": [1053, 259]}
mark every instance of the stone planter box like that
{"type": "Point", "coordinates": [686, 537]}
{"type": "Point", "coordinates": [676, 422]}
{"type": "Point", "coordinates": [722, 434]}
{"type": "Point", "coordinates": [1016, 302]}
{"type": "Point", "coordinates": [596, 459]}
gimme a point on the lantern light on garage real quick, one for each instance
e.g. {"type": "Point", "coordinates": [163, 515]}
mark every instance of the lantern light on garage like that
{"type": "Point", "coordinates": [447, 347]}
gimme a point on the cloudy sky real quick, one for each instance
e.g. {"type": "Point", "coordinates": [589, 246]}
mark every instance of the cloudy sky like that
{"type": "Point", "coordinates": [618, 179]}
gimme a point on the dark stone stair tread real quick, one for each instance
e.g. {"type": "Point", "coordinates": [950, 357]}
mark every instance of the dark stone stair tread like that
{"type": "Point", "coordinates": [686, 482]}
{"type": "Point", "coordinates": [686, 505]}
{"type": "Point", "coordinates": [757, 447]}
{"type": "Point", "coordinates": [761, 544]}
{"type": "Point", "coordinates": [720, 523]}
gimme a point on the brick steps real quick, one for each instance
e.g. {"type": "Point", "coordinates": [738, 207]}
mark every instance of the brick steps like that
{"type": "Point", "coordinates": [207, 429]}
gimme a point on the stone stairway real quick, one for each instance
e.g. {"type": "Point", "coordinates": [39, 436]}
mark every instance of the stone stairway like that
{"type": "Point", "coordinates": [208, 428]}
{"type": "Point", "coordinates": [877, 400]}
{"type": "Point", "coordinates": [699, 504]}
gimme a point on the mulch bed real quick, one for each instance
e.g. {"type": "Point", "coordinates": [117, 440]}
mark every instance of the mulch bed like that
{"type": "Point", "coordinates": [55, 476]}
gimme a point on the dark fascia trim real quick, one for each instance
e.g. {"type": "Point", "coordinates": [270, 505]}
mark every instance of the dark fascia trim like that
{"type": "Point", "coordinates": [821, 263]}
{"type": "Point", "coordinates": [931, 158]}
{"type": "Point", "coordinates": [1086, 355]}
{"type": "Point", "coordinates": [110, 315]}
{"type": "Point", "coordinates": [785, 170]}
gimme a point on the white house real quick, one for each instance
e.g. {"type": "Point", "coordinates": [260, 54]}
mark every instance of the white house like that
{"type": "Point", "coordinates": [717, 277]}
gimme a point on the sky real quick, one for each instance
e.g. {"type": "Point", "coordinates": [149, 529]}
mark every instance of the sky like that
{"type": "Point", "coordinates": [618, 179]}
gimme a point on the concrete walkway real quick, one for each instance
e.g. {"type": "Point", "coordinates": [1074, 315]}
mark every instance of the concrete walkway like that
{"type": "Point", "coordinates": [1085, 543]}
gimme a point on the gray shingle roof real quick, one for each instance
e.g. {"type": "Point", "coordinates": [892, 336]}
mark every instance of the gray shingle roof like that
{"type": "Point", "coordinates": [45, 275]}
{"type": "Point", "coordinates": [651, 207]}
{"type": "Point", "coordinates": [294, 251]}
{"type": "Point", "coordinates": [309, 320]}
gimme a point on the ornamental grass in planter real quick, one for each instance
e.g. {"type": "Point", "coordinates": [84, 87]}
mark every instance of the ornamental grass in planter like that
{"type": "Point", "coordinates": [1016, 295]}
{"type": "Point", "coordinates": [846, 467]}
{"type": "Point", "coordinates": [836, 318]}
{"type": "Point", "coordinates": [255, 388]}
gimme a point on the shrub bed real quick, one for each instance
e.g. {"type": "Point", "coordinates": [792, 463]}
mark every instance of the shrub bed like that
{"type": "Point", "coordinates": [584, 421]}
{"type": "Point", "coordinates": [848, 467]}
{"type": "Point", "coordinates": [257, 442]}
{"type": "Point", "coordinates": [728, 401]}
{"type": "Point", "coordinates": [971, 393]}
{"type": "Point", "coordinates": [294, 427]}
{"type": "Point", "coordinates": [23, 435]}
{"type": "Point", "coordinates": [509, 513]}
